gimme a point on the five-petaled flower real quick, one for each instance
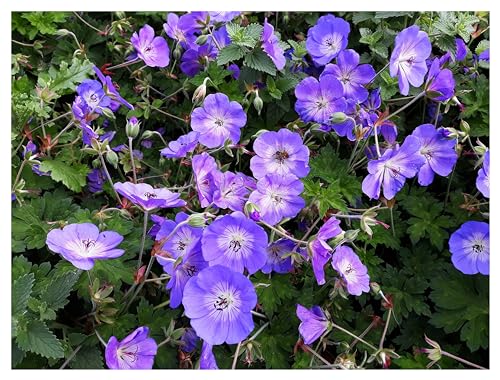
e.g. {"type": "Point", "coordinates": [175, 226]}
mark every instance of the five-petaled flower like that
{"type": "Point", "coordinates": [313, 323]}
{"type": "Point", "coordinates": [351, 269]}
{"type": "Point", "coordinates": [147, 197]}
{"type": "Point", "coordinates": [470, 248]}
{"type": "Point", "coordinates": [152, 50]}
{"type": "Point", "coordinates": [483, 176]}
{"type": "Point", "coordinates": [135, 351]}
{"type": "Point", "coordinates": [327, 38]}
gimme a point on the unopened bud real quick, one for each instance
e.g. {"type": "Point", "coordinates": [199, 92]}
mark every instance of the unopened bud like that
{"type": "Point", "coordinates": [338, 117]}
{"type": "Point", "coordinates": [201, 40]}
{"type": "Point", "coordinates": [258, 103]}
{"type": "Point", "coordinates": [350, 235]}
{"type": "Point", "coordinates": [112, 158]}
{"type": "Point", "coordinates": [252, 211]}
{"type": "Point", "coordinates": [108, 113]}
{"type": "Point", "coordinates": [132, 127]}
{"type": "Point", "coordinates": [196, 220]}
{"type": "Point", "coordinates": [465, 127]}
{"type": "Point", "coordinates": [200, 93]}
{"type": "Point", "coordinates": [177, 52]}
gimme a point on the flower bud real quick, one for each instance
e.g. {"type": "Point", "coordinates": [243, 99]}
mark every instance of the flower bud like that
{"type": "Point", "coordinates": [108, 113]}
{"type": "Point", "coordinates": [139, 275]}
{"type": "Point", "coordinates": [350, 235]}
{"type": "Point", "coordinates": [433, 353]}
{"type": "Point", "coordinates": [201, 40]}
{"type": "Point", "coordinates": [252, 211]}
{"type": "Point", "coordinates": [132, 127]}
{"type": "Point", "coordinates": [112, 158]}
{"type": "Point", "coordinates": [200, 93]}
{"type": "Point", "coordinates": [196, 220]}
{"type": "Point", "coordinates": [338, 117]}
{"type": "Point", "coordinates": [465, 127]}
{"type": "Point", "coordinates": [258, 103]}
{"type": "Point", "coordinates": [177, 52]}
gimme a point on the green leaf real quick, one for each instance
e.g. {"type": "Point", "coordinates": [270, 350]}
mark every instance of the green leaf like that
{"type": "Point", "coordinates": [258, 60]}
{"type": "Point", "coordinates": [44, 22]}
{"type": "Point", "coordinates": [279, 290]}
{"type": "Point", "coordinates": [73, 177]}
{"type": "Point", "coordinates": [88, 357]}
{"type": "Point", "coordinates": [65, 78]}
{"type": "Point", "coordinates": [57, 292]}
{"type": "Point", "coordinates": [230, 53]}
{"type": "Point", "coordinates": [21, 291]}
{"type": "Point", "coordinates": [37, 338]}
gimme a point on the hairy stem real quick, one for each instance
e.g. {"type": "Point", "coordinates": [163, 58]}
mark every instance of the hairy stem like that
{"type": "Point", "coordinates": [132, 159]}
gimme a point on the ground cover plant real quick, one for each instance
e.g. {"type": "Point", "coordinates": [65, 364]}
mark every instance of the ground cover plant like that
{"type": "Point", "coordinates": [250, 190]}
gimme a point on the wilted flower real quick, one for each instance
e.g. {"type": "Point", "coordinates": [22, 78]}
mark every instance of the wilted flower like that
{"type": "Point", "coordinates": [412, 48]}
{"type": "Point", "coordinates": [470, 248]}
{"type": "Point", "coordinates": [440, 85]}
{"type": "Point", "coordinates": [320, 250]}
{"type": "Point", "coordinates": [277, 259]}
{"type": "Point", "coordinates": [236, 242]}
{"type": "Point", "coordinates": [136, 351]}
{"type": "Point", "coordinates": [147, 197]}
{"type": "Point", "coordinates": [180, 147]}
{"type": "Point", "coordinates": [392, 169]}
{"type": "Point", "coordinates": [278, 197]}
{"type": "Point", "coordinates": [281, 152]}
{"type": "Point", "coordinates": [461, 51]}
{"type": "Point", "coordinates": [327, 38]}
{"type": "Point", "coordinates": [152, 50]}
{"type": "Point", "coordinates": [483, 176]}
{"type": "Point", "coordinates": [111, 91]}
{"type": "Point", "coordinates": [270, 44]}
{"type": "Point", "coordinates": [96, 179]}
{"type": "Point", "coordinates": [353, 272]}
{"type": "Point", "coordinates": [433, 353]}
{"type": "Point", "coordinates": [218, 120]}
{"type": "Point", "coordinates": [203, 167]}
{"type": "Point", "coordinates": [351, 74]}
{"type": "Point", "coordinates": [81, 244]}
{"type": "Point", "coordinates": [313, 323]}
{"type": "Point", "coordinates": [219, 302]}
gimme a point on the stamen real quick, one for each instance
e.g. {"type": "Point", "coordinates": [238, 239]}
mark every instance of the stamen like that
{"type": "Point", "coordinates": [150, 195]}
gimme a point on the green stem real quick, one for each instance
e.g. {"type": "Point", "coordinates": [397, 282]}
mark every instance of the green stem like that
{"type": "Point", "coordinates": [70, 358]}
{"type": "Point", "coordinates": [459, 359]}
{"type": "Point", "coordinates": [318, 356]}
{"type": "Point", "coordinates": [63, 130]}
{"type": "Point", "coordinates": [236, 354]}
{"type": "Point", "coordinates": [143, 239]}
{"type": "Point", "coordinates": [108, 176]}
{"type": "Point", "coordinates": [386, 327]}
{"type": "Point", "coordinates": [168, 114]}
{"type": "Point", "coordinates": [354, 336]}
{"type": "Point", "coordinates": [18, 176]}
{"type": "Point", "coordinates": [124, 64]}
{"type": "Point", "coordinates": [403, 108]}
{"type": "Point", "coordinates": [86, 23]}
{"type": "Point", "coordinates": [132, 159]}
{"type": "Point", "coordinates": [282, 234]}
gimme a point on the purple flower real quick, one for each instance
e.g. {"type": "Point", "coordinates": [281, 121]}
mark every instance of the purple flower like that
{"type": "Point", "coordinates": [440, 84]}
{"type": "Point", "coordinates": [96, 179]}
{"type": "Point", "coordinates": [392, 169]}
{"type": "Point", "coordinates": [180, 147]}
{"type": "Point", "coordinates": [470, 248]}
{"type": "Point", "coordinates": [373, 102]}
{"type": "Point", "coordinates": [270, 44]}
{"type": "Point", "coordinates": [219, 302]}
{"type": "Point", "coordinates": [230, 190]}
{"type": "Point", "coordinates": [152, 50]}
{"type": "Point", "coordinates": [82, 244]}
{"type": "Point", "coordinates": [318, 100]}
{"type": "Point", "coordinates": [351, 74]}
{"type": "Point", "coordinates": [190, 265]}
{"type": "Point", "coordinates": [93, 96]}
{"type": "Point", "coordinates": [313, 323]}
{"type": "Point", "coordinates": [485, 56]}
{"type": "Point", "coordinates": [235, 70]}
{"type": "Point", "coordinates": [157, 222]}
{"type": "Point", "coordinates": [186, 238]}
{"type": "Point", "coordinates": [147, 197]}
{"type": "Point", "coordinates": [352, 270]}
{"type": "Point", "coordinates": [195, 59]}
{"type": "Point", "coordinates": [189, 340]}
{"type": "Point", "coordinates": [438, 151]}
{"type": "Point", "coordinates": [136, 351]}
{"type": "Point", "coordinates": [207, 358]}
{"type": "Point", "coordinates": [218, 120]}
{"type": "Point", "coordinates": [223, 16]}
{"type": "Point", "coordinates": [29, 148]}
{"type": "Point", "coordinates": [411, 49]}
{"type": "Point", "coordinates": [281, 152]}
{"type": "Point", "coordinates": [178, 29]}
{"type": "Point", "coordinates": [346, 127]}
{"type": "Point", "coordinates": [236, 242]}
{"type": "Point", "coordinates": [278, 197]}
{"type": "Point", "coordinates": [483, 176]}
{"type": "Point", "coordinates": [203, 166]}
{"type": "Point", "coordinates": [195, 21]}
{"type": "Point", "coordinates": [111, 91]}
{"type": "Point", "coordinates": [220, 38]}
{"type": "Point", "coordinates": [275, 260]}
{"type": "Point", "coordinates": [327, 38]}
{"type": "Point", "coordinates": [321, 251]}
{"type": "Point", "coordinates": [461, 49]}
{"type": "Point", "coordinates": [124, 149]}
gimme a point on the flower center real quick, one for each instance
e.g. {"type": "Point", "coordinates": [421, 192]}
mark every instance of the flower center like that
{"type": "Point", "coordinates": [94, 98]}
{"type": "Point", "coordinates": [332, 44]}
{"type": "Point", "coordinates": [478, 247]}
{"type": "Point", "coordinates": [349, 269]}
{"type": "Point", "coordinates": [281, 156]}
{"type": "Point", "coordinates": [411, 60]}
{"type": "Point", "coordinates": [190, 270]}
{"type": "Point", "coordinates": [128, 354]}
{"type": "Point", "coordinates": [235, 244]}
{"type": "Point", "coordinates": [321, 104]}
{"type": "Point", "coordinates": [345, 78]}
{"type": "Point", "coordinates": [149, 195]}
{"type": "Point", "coordinates": [219, 122]}
{"type": "Point", "coordinates": [181, 246]}
{"type": "Point", "coordinates": [148, 49]}
{"type": "Point", "coordinates": [223, 301]}
{"type": "Point", "coordinates": [88, 243]}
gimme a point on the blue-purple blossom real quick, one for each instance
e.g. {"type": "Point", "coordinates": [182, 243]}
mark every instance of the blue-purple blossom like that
{"type": "Point", "coordinates": [203, 166]}
{"type": "Point", "coordinates": [179, 29]}
{"type": "Point", "coordinates": [93, 95]}
{"type": "Point", "coordinates": [157, 222]}
{"type": "Point", "coordinates": [320, 250]}
{"type": "Point", "coordinates": [223, 16]}
{"type": "Point", "coordinates": [438, 151]}
{"type": "Point", "coordinates": [318, 100]}
{"type": "Point", "coordinates": [485, 56]}
{"type": "Point", "coordinates": [236, 242]}
{"type": "Point", "coordinates": [220, 38]}
{"type": "Point", "coordinates": [352, 270]}
{"type": "Point", "coordinates": [147, 197]}
{"type": "Point", "coordinates": [207, 358]}
{"type": "Point", "coordinates": [125, 149]}
{"type": "Point", "coordinates": [230, 190]}
{"type": "Point", "coordinates": [152, 50]}
{"type": "Point", "coordinates": [440, 85]}
{"type": "Point", "coordinates": [111, 91]}
{"type": "Point", "coordinates": [135, 351]}
{"type": "Point", "coordinates": [195, 59]}
{"type": "Point", "coordinates": [281, 152]}
{"type": "Point", "coordinates": [313, 323]}
{"type": "Point", "coordinates": [270, 44]}
{"type": "Point", "coordinates": [218, 120]}
{"type": "Point", "coordinates": [277, 259]}
{"type": "Point", "coordinates": [412, 48]}
{"type": "Point", "coordinates": [278, 197]}
{"type": "Point", "coordinates": [390, 171]}
{"type": "Point", "coordinates": [219, 302]}
{"type": "Point", "coordinates": [470, 248]}
{"type": "Point", "coordinates": [327, 38]}
{"type": "Point", "coordinates": [189, 340]}
{"type": "Point", "coordinates": [96, 179]}
{"type": "Point", "coordinates": [461, 49]}
{"type": "Point", "coordinates": [483, 176]}
{"type": "Point", "coordinates": [351, 74]}
{"type": "Point", "coordinates": [81, 244]}
{"type": "Point", "coordinates": [182, 146]}
{"type": "Point", "coordinates": [235, 70]}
